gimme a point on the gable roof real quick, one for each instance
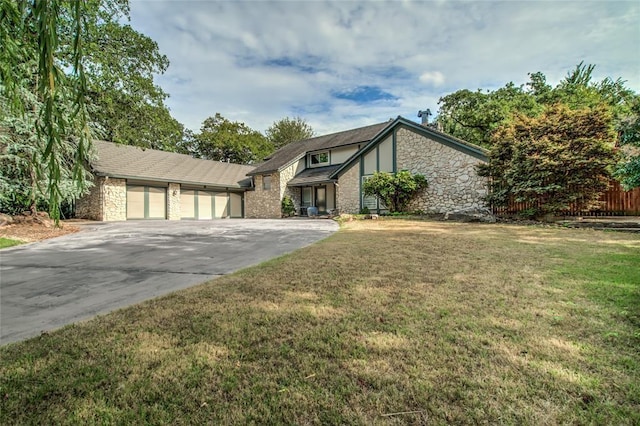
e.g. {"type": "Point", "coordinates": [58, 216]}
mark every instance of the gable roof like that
{"type": "Point", "coordinates": [441, 137]}
{"type": "Point", "coordinates": [296, 150]}
{"type": "Point", "coordinates": [131, 162]}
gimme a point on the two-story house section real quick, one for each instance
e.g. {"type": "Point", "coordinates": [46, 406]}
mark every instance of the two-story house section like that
{"type": "Point", "coordinates": [327, 171]}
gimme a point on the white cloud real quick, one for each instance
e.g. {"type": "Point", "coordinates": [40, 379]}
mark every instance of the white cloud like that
{"type": "Point", "coordinates": [435, 78]}
{"type": "Point", "coordinates": [259, 61]}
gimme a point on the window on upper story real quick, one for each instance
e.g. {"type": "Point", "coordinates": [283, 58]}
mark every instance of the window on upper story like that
{"type": "Point", "coordinates": [319, 159]}
{"type": "Point", "coordinates": [266, 183]}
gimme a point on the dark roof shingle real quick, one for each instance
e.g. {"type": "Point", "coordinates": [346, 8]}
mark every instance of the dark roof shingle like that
{"type": "Point", "coordinates": [125, 161]}
{"type": "Point", "coordinates": [316, 175]}
{"type": "Point", "coordinates": [295, 150]}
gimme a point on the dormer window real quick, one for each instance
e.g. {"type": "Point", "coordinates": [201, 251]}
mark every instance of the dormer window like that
{"type": "Point", "coordinates": [319, 159]}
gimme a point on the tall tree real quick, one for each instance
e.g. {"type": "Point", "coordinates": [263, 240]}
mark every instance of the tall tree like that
{"type": "Point", "coordinates": [628, 170]}
{"type": "Point", "coordinates": [559, 158]}
{"type": "Point", "coordinates": [477, 116]}
{"type": "Point", "coordinates": [230, 141]}
{"type": "Point", "coordinates": [474, 116]}
{"type": "Point", "coordinates": [126, 105]}
{"type": "Point", "coordinates": [41, 40]}
{"type": "Point", "coordinates": [287, 130]}
{"type": "Point", "coordinates": [23, 179]}
{"type": "Point", "coordinates": [76, 71]}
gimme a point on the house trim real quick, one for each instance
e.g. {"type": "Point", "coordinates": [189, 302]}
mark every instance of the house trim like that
{"type": "Point", "coordinates": [167, 181]}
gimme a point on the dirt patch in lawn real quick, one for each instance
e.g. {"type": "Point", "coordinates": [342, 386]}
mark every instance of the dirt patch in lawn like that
{"type": "Point", "coordinates": [35, 232]}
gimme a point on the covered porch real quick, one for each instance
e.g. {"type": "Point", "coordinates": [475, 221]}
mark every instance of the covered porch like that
{"type": "Point", "coordinates": [313, 188]}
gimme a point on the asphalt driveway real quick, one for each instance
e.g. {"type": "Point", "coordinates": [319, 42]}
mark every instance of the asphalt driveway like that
{"type": "Point", "coordinates": [46, 285]}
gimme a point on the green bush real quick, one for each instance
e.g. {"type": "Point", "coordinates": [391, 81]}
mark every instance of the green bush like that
{"type": "Point", "coordinates": [287, 208]}
{"type": "Point", "coordinates": [396, 191]}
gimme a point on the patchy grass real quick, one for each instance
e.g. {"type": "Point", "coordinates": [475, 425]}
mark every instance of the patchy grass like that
{"type": "Point", "coordinates": [398, 322]}
{"type": "Point", "coordinates": [8, 242]}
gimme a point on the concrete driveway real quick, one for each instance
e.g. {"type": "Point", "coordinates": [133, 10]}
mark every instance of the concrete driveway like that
{"type": "Point", "coordinates": [46, 285]}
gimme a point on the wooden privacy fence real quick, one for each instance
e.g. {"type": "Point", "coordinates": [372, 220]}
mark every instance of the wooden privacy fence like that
{"type": "Point", "coordinates": [615, 201]}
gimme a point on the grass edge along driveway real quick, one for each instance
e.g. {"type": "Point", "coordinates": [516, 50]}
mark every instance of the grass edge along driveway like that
{"type": "Point", "coordinates": [384, 322]}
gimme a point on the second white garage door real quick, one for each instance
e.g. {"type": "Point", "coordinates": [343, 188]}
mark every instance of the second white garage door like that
{"type": "Point", "coordinates": [197, 204]}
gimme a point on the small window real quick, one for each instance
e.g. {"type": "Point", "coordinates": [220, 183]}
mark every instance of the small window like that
{"type": "Point", "coordinates": [319, 159]}
{"type": "Point", "coordinates": [266, 183]}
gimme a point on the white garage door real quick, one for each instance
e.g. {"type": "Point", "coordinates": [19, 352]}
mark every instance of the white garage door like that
{"type": "Point", "coordinates": [146, 202]}
{"type": "Point", "coordinates": [235, 204]}
{"type": "Point", "coordinates": [204, 205]}
{"type": "Point", "coordinates": [221, 200]}
{"type": "Point", "coordinates": [205, 209]}
{"type": "Point", "coordinates": [187, 204]}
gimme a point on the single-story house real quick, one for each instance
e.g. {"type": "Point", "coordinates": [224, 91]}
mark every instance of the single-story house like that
{"type": "Point", "coordinates": [325, 171]}
{"type": "Point", "coordinates": [132, 183]}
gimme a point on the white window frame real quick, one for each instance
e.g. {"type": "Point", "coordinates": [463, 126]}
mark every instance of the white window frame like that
{"type": "Point", "coordinates": [319, 163]}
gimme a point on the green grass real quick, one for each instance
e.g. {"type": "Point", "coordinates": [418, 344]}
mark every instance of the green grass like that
{"type": "Point", "coordinates": [7, 242]}
{"type": "Point", "coordinates": [385, 322]}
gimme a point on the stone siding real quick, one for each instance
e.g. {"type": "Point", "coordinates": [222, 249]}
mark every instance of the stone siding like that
{"type": "Point", "coordinates": [261, 204]}
{"type": "Point", "coordinates": [89, 206]}
{"type": "Point", "coordinates": [173, 201]}
{"type": "Point", "coordinates": [453, 181]}
{"type": "Point", "coordinates": [285, 176]}
{"type": "Point", "coordinates": [348, 190]}
{"type": "Point", "coordinates": [114, 195]}
{"type": "Point", "coordinates": [107, 201]}
{"type": "Point", "coordinates": [295, 192]}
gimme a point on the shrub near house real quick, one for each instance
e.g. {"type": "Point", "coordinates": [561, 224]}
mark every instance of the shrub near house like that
{"type": "Point", "coordinates": [394, 191]}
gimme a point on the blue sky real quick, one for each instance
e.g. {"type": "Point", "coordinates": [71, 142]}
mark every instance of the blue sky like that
{"type": "Point", "coordinates": [344, 64]}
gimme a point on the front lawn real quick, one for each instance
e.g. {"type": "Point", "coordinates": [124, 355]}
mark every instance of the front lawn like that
{"type": "Point", "coordinates": [400, 322]}
{"type": "Point", "coordinates": [8, 242]}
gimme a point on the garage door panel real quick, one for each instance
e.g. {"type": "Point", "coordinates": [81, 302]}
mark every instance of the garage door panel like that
{"type": "Point", "coordinates": [204, 205]}
{"type": "Point", "coordinates": [235, 205]}
{"type": "Point", "coordinates": [187, 204]}
{"type": "Point", "coordinates": [157, 203]}
{"type": "Point", "coordinates": [221, 203]}
{"type": "Point", "coordinates": [135, 202]}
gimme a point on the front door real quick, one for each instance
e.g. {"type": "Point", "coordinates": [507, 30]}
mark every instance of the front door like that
{"type": "Point", "coordinates": [321, 198]}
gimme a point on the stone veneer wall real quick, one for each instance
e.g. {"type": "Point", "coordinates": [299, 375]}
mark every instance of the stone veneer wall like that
{"type": "Point", "coordinates": [107, 200]}
{"type": "Point", "coordinates": [114, 196]}
{"type": "Point", "coordinates": [294, 192]}
{"type": "Point", "coordinates": [263, 204]}
{"type": "Point", "coordinates": [89, 206]}
{"type": "Point", "coordinates": [173, 202]}
{"type": "Point", "coordinates": [453, 181]}
{"type": "Point", "coordinates": [348, 190]}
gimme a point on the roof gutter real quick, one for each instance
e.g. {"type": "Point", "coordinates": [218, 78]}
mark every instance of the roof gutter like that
{"type": "Point", "coordinates": [185, 182]}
